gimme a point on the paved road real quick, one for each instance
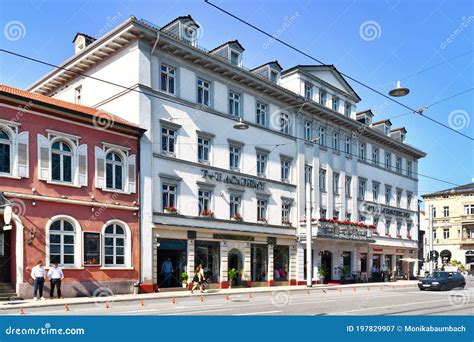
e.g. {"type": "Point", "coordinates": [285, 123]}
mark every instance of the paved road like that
{"type": "Point", "coordinates": [376, 301]}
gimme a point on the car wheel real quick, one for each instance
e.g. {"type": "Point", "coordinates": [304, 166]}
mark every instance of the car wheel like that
{"type": "Point", "coordinates": [463, 285]}
{"type": "Point", "coordinates": [421, 289]}
{"type": "Point", "coordinates": [443, 287]}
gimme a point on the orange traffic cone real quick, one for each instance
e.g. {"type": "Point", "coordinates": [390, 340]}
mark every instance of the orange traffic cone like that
{"type": "Point", "coordinates": [250, 296]}
{"type": "Point", "coordinates": [173, 300]}
{"type": "Point", "coordinates": [66, 307]}
{"type": "Point", "coordinates": [324, 291]}
{"type": "Point", "coordinates": [202, 299]}
{"type": "Point", "coordinates": [22, 312]}
{"type": "Point", "coordinates": [226, 297]}
{"type": "Point", "coordinates": [354, 289]}
{"type": "Point", "coordinates": [107, 305]}
{"type": "Point", "coordinates": [142, 303]}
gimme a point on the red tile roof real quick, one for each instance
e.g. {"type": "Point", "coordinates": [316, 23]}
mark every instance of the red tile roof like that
{"type": "Point", "coordinates": [92, 112]}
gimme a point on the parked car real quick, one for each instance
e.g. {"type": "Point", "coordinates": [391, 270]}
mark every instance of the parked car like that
{"type": "Point", "coordinates": [442, 281]}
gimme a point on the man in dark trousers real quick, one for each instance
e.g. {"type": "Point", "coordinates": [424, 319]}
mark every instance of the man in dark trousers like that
{"type": "Point", "coordinates": [55, 276]}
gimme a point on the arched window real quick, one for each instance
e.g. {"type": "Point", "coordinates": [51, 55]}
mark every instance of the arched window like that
{"type": "Point", "coordinates": [61, 242]}
{"type": "Point", "coordinates": [61, 162]}
{"type": "Point", "coordinates": [114, 244]}
{"type": "Point", "coordinates": [5, 152]}
{"type": "Point", "coordinates": [114, 171]}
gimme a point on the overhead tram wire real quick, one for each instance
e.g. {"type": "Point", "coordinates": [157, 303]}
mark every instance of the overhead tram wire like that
{"type": "Point", "coordinates": [343, 74]}
{"type": "Point", "coordinates": [152, 95]}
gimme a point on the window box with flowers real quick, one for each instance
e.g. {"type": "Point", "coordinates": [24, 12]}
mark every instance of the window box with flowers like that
{"type": "Point", "coordinates": [170, 210]}
{"type": "Point", "coordinates": [206, 213]}
{"type": "Point", "coordinates": [410, 237]}
{"type": "Point", "coordinates": [375, 233]}
{"type": "Point", "coordinates": [236, 217]}
{"type": "Point", "coordinates": [262, 220]}
{"type": "Point", "coordinates": [286, 223]}
{"type": "Point", "coordinates": [348, 223]}
{"type": "Point", "coordinates": [399, 235]}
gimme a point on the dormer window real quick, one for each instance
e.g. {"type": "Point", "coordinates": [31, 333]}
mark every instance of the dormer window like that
{"type": "Point", "coordinates": [402, 137]}
{"type": "Point", "coordinates": [273, 76]}
{"type": "Point", "coordinates": [308, 91]}
{"type": "Point", "coordinates": [387, 130]}
{"type": "Point", "coordinates": [322, 97]}
{"type": "Point", "coordinates": [335, 104]}
{"type": "Point", "coordinates": [235, 57]}
{"type": "Point", "coordinates": [347, 109]}
{"type": "Point", "coordinates": [189, 34]}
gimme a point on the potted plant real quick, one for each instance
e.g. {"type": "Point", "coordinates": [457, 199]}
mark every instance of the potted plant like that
{"type": "Point", "coordinates": [170, 209]}
{"type": "Point", "coordinates": [184, 279]}
{"type": "Point", "coordinates": [345, 273]}
{"type": "Point", "coordinates": [207, 213]}
{"type": "Point", "coordinates": [236, 217]}
{"type": "Point", "coordinates": [322, 272]}
{"type": "Point", "coordinates": [232, 275]}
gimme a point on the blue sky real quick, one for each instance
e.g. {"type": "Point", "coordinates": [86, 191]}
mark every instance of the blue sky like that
{"type": "Point", "coordinates": [375, 41]}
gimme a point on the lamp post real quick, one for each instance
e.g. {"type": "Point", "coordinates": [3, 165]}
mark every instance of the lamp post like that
{"type": "Point", "coordinates": [399, 91]}
{"type": "Point", "coordinates": [309, 259]}
{"type": "Point", "coordinates": [430, 229]}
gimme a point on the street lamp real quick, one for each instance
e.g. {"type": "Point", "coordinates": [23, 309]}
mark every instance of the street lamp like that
{"type": "Point", "coordinates": [399, 91]}
{"type": "Point", "coordinates": [241, 125]}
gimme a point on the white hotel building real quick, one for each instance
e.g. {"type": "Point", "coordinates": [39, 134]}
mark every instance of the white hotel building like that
{"type": "Point", "coordinates": [239, 194]}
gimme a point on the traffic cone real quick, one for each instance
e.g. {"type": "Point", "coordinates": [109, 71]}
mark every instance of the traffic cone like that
{"type": "Point", "coordinates": [324, 291]}
{"type": "Point", "coordinates": [307, 291]}
{"type": "Point", "coordinates": [250, 296]}
{"type": "Point", "coordinates": [22, 312]}
{"type": "Point", "coordinates": [66, 307]}
{"type": "Point", "coordinates": [368, 288]}
{"type": "Point", "coordinates": [340, 290]}
{"type": "Point", "coordinates": [226, 297]}
{"type": "Point", "coordinates": [173, 300]}
{"type": "Point", "coordinates": [381, 288]}
{"type": "Point", "coordinates": [393, 287]}
{"type": "Point", "coordinates": [107, 305]}
{"type": "Point", "coordinates": [354, 289]}
{"type": "Point", "coordinates": [202, 299]}
{"type": "Point", "coordinates": [142, 303]}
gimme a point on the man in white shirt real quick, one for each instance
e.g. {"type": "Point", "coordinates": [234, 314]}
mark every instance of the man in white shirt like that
{"type": "Point", "coordinates": [38, 274]}
{"type": "Point", "coordinates": [55, 276]}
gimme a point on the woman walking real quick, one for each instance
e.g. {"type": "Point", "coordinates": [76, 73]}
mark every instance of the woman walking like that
{"type": "Point", "coordinates": [197, 279]}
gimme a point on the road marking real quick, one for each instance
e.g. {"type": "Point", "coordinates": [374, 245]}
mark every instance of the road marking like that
{"type": "Point", "coordinates": [386, 307]}
{"type": "Point", "coordinates": [196, 311]}
{"type": "Point", "coordinates": [258, 313]}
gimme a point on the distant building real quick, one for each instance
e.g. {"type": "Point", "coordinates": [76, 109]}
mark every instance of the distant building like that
{"type": "Point", "coordinates": [453, 225]}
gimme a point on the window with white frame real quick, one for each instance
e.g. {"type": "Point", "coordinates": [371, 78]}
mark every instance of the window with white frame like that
{"type": "Point", "coordinates": [167, 79]}
{"type": "Point", "coordinates": [204, 149]}
{"type": "Point", "coordinates": [469, 209]}
{"type": "Point", "coordinates": [261, 114]}
{"type": "Point", "coordinates": [62, 242]}
{"type": "Point", "coordinates": [375, 221]}
{"type": "Point", "coordinates": [347, 185]}
{"type": "Point", "coordinates": [308, 91]}
{"type": "Point", "coordinates": [262, 210]}
{"type": "Point", "coordinates": [409, 168]}
{"type": "Point", "coordinates": [234, 203]}
{"type": "Point", "coordinates": [168, 140]}
{"type": "Point", "coordinates": [335, 183]}
{"type": "Point", "coordinates": [362, 189]}
{"type": "Point", "coordinates": [446, 233]}
{"type": "Point", "coordinates": [335, 214]}
{"type": "Point", "coordinates": [308, 130]}
{"type": "Point", "coordinates": [362, 218]}
{"type": "Point", "coordinates": [5, 152]}
{"type": "Point", "coordinates": [274, 76]}
{"type": "Point", "coordinates": [398, 165]}
{"type": "Point", "coordinates": [204, 92]}
{"type": "Point", "coordinates": [409, 229]}
{"type": "Point", "coordinates": [322, 97]}
{"type": "Point", "coordinates": [399, 198]}
{"type": "Point", "coordinates": [285, 211]}
{"type": "Point", "coordinates": [323, 212]}
{"type": "Point", "coordinates": [388, 160]}
{"type": "Point", "coordinates": [362, 150]}
{"type": "Point", "coordinates": [388, 194]}
{"type": "Point", "coordinates": [308, 172]}
{"type": "Point", "coordinates": [322, 136]}
{"type": "Point", "coordinates": [375, 191]}
{"type": "Point", "coordinates": [348, 216]}
{"type": "Point", "coordinates": [335, 141]}
{"type": "Point", "coordinates": [446, 211]}
{"type": "Point", "coordinates": [235, 57]}
{"type": "Point", "coordinates": [284, 123]}
{"type": "Point", "coordinates": [348, 146]}
{"type": "Point", "coordinates": [234, 157]}
{"type": "Point", "coordinates": [262, 164]}
{"type": "Point", "coordinates": [114, 171]}
{"type": "Point", "coordinates": [114, 245]}
{"type": "Point", "coordinates": [399, 228]}
{"type": "Point", "coordinates": [409, 198]}
{"type": "Point", "coordinates": [204, 200]}
{"type": "Point", "coordinates": [388, 223]}
{"type": "Point", "coordinates": [61, 162]}
{"type": "Point", "coordinates": [322, 180]}
{"type": "Point", "coordinates": [433, 211]}
{"type": "Point", "coordinates": [434, 234]}
{"type": "Point", "coordinates": [347, 109]}
{"type": "Point", "coordinates": [285, 165]}
{"type": "Point", "coordinates": [375, 156]}
{"type": "Point", "coordinates": [335, 103]}
{"type": "Point", "coordinates": [169, 196]}
{"type": "Point", "coordinates": [13, 150]}
{"type": "Point", "coordinates": [234, 103]}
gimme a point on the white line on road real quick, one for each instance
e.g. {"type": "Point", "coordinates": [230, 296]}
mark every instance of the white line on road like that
{"type": "Point", "coordinates": [258, 313]}
{"type": "Point", "coordinates": [386, 307]}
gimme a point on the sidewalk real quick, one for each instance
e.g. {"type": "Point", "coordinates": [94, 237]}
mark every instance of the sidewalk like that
{"type": "Point", "coordinates": [180, 294]}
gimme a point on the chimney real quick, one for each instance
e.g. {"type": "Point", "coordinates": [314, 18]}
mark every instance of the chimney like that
{"type": "Point", "coordinates": [81, 41]}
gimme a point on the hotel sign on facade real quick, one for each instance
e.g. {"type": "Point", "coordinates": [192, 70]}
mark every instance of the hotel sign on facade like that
{"type": "Point", "coordinates": [233, 179]}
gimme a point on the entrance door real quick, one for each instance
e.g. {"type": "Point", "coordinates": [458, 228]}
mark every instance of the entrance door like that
{"type": "Point", "coordinates": [174, 252]}
{"type": "Point", "coordinates": [235, 262]}
{"type": "Point", "coordinates": [326, 264]}
{"type": "Point", "coordinates": [5, 256]}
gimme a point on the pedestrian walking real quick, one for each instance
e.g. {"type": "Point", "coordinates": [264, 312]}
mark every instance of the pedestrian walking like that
{"type": "Point", "coordinates": [197, 280]}
{"type": "Point", "coordinates": [38, 274]}
{"type": "Point", "coordinates": [167, 271]}
{"type": "Point", "coordinates": [55, 276]}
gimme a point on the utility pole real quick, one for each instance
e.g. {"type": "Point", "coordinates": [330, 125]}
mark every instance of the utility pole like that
{"type": "Point", "coordinates": [309, 236]}
{"type": "Point", "coordinates": [430, 230]}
